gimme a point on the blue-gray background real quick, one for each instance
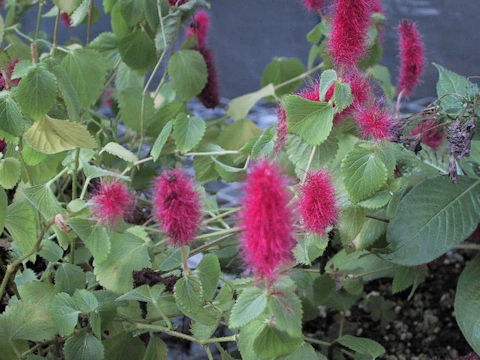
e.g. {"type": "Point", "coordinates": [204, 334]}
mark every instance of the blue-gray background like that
{"type": "Point", "coordinates": [247, 34]}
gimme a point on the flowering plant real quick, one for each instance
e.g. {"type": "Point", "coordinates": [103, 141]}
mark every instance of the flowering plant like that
{"type": "Point", "coordinates": [101, 217]}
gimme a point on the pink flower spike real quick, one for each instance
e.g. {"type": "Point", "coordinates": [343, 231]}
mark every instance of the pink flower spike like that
{"type": "Point", "coordinates": [266, 221]}
{"type": "Point", "coordinates": [374, 121]}
{"type": "Point", "coordinates": [67, 22]}
{"type": "Point", "coordinates": [177, 206]}
{"type": "Point", "coordinates": [210, 95]}
{"type": "Point", "coordinates": [318, 204]}
{"type": "Point", "coordinates": [348, 38]}
{"type": "Point", "coordinates": [314, 5]}
{"type": "Point", "coordinates": [112, 202]}
{"type": "Point", "coordinates": [177, 2]}
{"type": "Point", "coordinates": [411, 57]}
{"type": "Point", "coordinates": [199, 27]}
{"type": "Point", "coordinates": [3, 145]}
{"type": "Point", "coordinates": [377, 6]}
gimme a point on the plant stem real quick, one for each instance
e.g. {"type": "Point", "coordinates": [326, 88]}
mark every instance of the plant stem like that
{"type": "Point", "coordinates": [184, 336]}
{"type": "Point", "coordinates": [11, 268]}
{"type": "Point", "coordinates": [309, 165]}
{"type": "Point", "coordinates": [468, 246]}
{"type": "Point", "coordinates": [342, 323]}
{"type": "Point", "coordinates": [397, 107]}
{"type": "Point", "coordinates": [185, 260]}
{"type": "Point", "coordinates": [300, 77]}
{"type": "Point", "coordinates": [226, 213]}
{"type": "Point", "coordinates": [89, 24]}
{"type": "Point", "coordinates": [221, 232]}
{"type": "Point", "coordinates": [209, 353]}
{"type": "Point", "coordinates": [318, 342]}
{"type": "Point", "coordinates": [210, 244]}
{"type": "Point", "coordinates": [75, 174]}
{"type": "Point", "coordinates": [224, 152]}
{"type": "Point", "coordinates": [39, 20]}
{"type": "Point", "coordinates": [55, 33]}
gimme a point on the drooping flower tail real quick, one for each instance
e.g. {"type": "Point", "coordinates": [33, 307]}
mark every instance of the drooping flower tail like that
{"type": "Point", "coordinates": [199, 27]}
{"type": "Point", "coordinates": [411, 56]}
{"type": "Point", "coordinates": [317, 203]}
{"type": "Point", "coordinates": [210, 95]}
{"type": "Point", "coordinates": [348, 38]}
{"type": "Point", "coordinates": [314, 5]}
{"type": "Point", "coordinates": [112, 202]}
{"type": "Point", "coordinates": [266, 221]}
{"type": "Point", "coordinates": [177, 206]}
{"type": "Point", "coordinates": [281, 128]}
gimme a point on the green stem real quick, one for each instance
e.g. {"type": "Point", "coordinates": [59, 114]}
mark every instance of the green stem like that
{"type": "Point", "coordinates": [468, 246]}
{"type": "Point", "coordinates": [309, 165]}
{"type": "Point", "coordinates": [55, 33]}
{"type": "Point", "coordinates": [209, 353]}
{"type": "Point", "coordinates": [39, 19]}
{"type": "Point", "coordinates": [89, 24]}
{"type": "Point", "coordinates": [224, 152]}
{"type": "Point", "coordinates": [11, 268]}
{"type": "Point", "coordinates": [318, 342]}
{"type": "Point", "coordinates": [342, 323]}
{"type": "Point", "coordinates": [210, 244]}
{"type": "Point", "coordinates": [218, 233]}
{"type": "Point", "coordinates": [75, 174]}
{"type": "Point", "coordinates": [300, 77]}
{"type": "Point", "coordinates": [226, 213]}
{"type": "Point", "coordinates": [185, 260]}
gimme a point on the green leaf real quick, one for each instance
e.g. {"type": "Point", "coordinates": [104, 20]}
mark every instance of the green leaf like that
{"type": "Point", "coordinates": [43, 200]}
{"type": "Point", "coordinates": [156, 349]}
{"type": "Point", "coordinates": [188, 72]}
{"type": "Point", "coordinates": [406, 276]}
{"type": "Point", "coordinates": [432, 218]}
{"type": "Point", "coordinates": [327, 79]}
{"type": "Point", "coordinates": [145, 293]}
{"type": "Point", "coordinates": [299, 153]}
{"type": "Point", "coordinates": [51, 251]}
{"type": "Point", "coordinates": [137, 50]}
{"type": "Point", "coordinates": [263, 147]}
{"type": "Point", "coordinates": [130, 103]}
{"type": "Point", "coordinates": [377, 201]}
{"type": "Point", "coordinates": [9, 172]}
{"type": "Point", "coordinates": [362, 346]}
{"type": "Point", "coordinates": [323, 288]}
{"type": "Point", "coordinates": [171, 24]}
{"type": "Point", "coordinates": [188, 294]}
{"type": "Point", "coordinates": [282, 69]}
{"type": "Point", "coordinates": [3, 209]}
{"type": "Point", "coordinates": [21, 224]}
{"type": "Point", "coordinates": [342, 97]}
{"type": "Point", "coordinates": [36, 293]}
{"type": "Point", "coordinates": [311, 120]}
{"type": "Point", "coordinates": [209, 274]}
{"type": "Point", "coordinates": [25, 321]}
{"type": "Point", "coordinates": [286, 309]}
{"type": "Point", "coordinates": [94, 236]}
{"type": "Point", "coordinates": [80, 13]}
{"type": "Point", "coordinates": [120, 152]}
{"type": "Point", "coordinates": [173, 260]}
{"type": "Point", "coordinates": [304, 352]}
{"type": "Point", "coordinates": [246, 339]}
{"type": "Point", "coordinates": [11, 119]}
{"type": "Point", "coordinates": [239, 107]}
{"type": "Point", "coordinates": [237, 134]}
{"type": "Point", "coordinates": [86, 69]}
{"type": "Point", "coordinates": [37, 92]}
{"type": "Point", "coordinates": [364, 173]}
{"type": "Point", "coordinates": [188, 131]}
{"type": "Point", "coordinates": [124, 346]}
{"type": "Point", "coordinates": [67, 5]}
{"type": "Point", "coordinates": [467, 303]}
{"type": "Point", "coordinates": [309, 248]}
{"type": "Point", "coordinates": [51, 136]}
{"type": "Point", "coordinates": [83, 346]}
{"type": "Point", "coordinates": [69, 93]}
{"type": "Point", "coordinates": [250, 305]}
{"type": "Point", "coordinates": [161, 140]}
{"type": "Point", "coordinates": [64, 313]}
{"type": "Point", "coordinates": [382, 75]}
{"type": "Point", "coordinates": [450, 83]}
{"type": "Point", "coordinates": [85, 301]}
{"type": "Point", "coordinates": [272, 342]}
{"type": "Point", "coordinates": [68, 278]}
{"type": "Point", "coordinates": [107, 45]}
{"type": "Point", "coordinates": [128, 253]}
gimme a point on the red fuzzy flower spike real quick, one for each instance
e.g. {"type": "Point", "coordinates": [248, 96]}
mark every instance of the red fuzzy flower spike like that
{"type": "Point", "coordinates": [177, 206]}
{"type": "Point", "coordinates": [377, 6]}
{"type": "Point", "coordinates": [318, 204]}
{"type": "Point", "coordinates": [177, 2]}
{"type": "Point", "coordinates": [374, 121]}
{"type": "Point", "coordinates": [432, 134]}
{"type": "Point", "coordinates": [10, 69]}
{"type": "Point", "coordinates": [281, 128]}
{"type": "Point", "coordinates": [199, 27]}
{"type": "Point", "coordinates": [3, 146]}
{"type": "Point", "coordinates": [314, 5]}
{"type": "Point", "coordinates": [112, 202]}
{"type": "Point", "coordinates": [411, 55]}
{"type": "Point", "coordinates": [348, 38]}
{"type": "Point", "coordinates": [267, 221]}
{"type": "Point", "coordinates": [311, 93]}
{"type": "Point", "coordinates": [67, 22]}
{"type": "Point", "coordinates": [210, 95]}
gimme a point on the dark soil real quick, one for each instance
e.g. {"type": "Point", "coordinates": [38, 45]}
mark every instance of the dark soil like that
{"type": "Point", "coordinates": [422, 328]}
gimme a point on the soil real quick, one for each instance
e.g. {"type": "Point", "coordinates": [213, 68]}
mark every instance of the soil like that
{"type": "Point", "coordinates": [422, 328]}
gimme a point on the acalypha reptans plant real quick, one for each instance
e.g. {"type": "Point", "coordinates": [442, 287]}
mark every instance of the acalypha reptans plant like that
{"type": "Point", "coordinates": [105, 185]}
